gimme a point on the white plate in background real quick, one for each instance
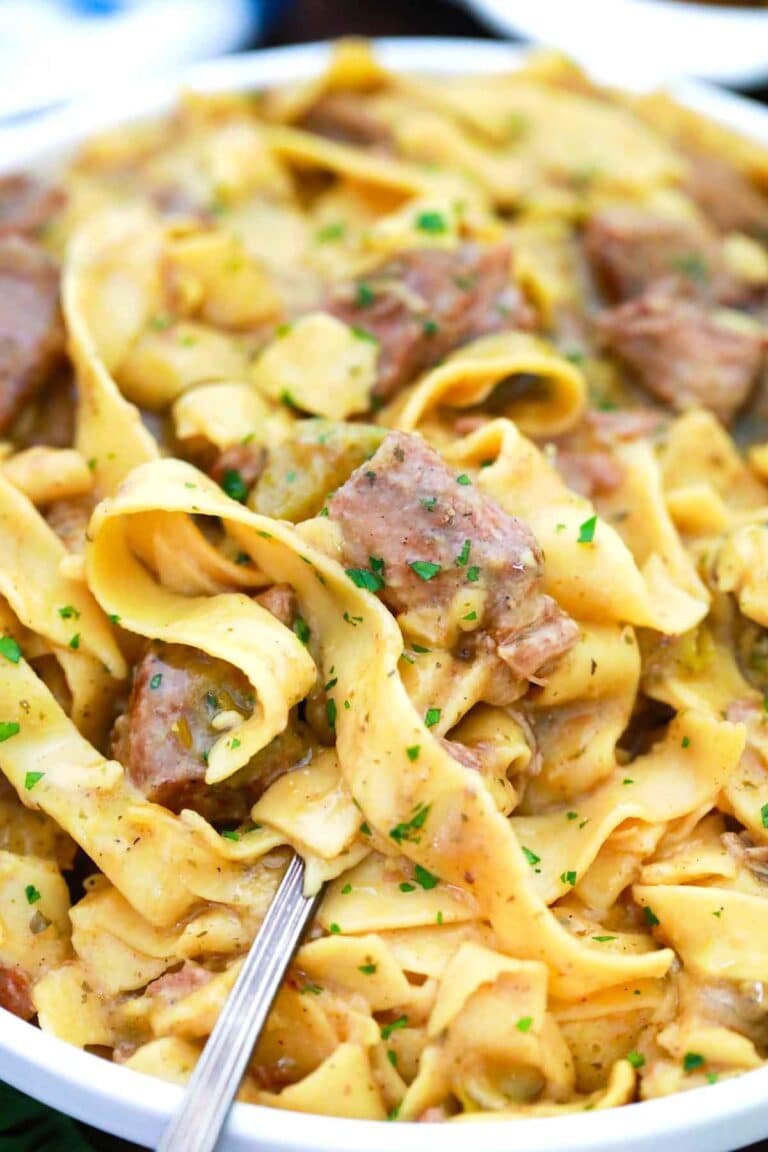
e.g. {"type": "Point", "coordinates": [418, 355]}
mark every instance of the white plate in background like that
{"type": "Point", "coordinates": [642, 38]}
{"type": "Point", "coordinates": [718, 1118]}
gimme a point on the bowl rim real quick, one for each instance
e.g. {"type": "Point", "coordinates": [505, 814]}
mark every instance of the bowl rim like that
{"type": "Point", "coordinates": [137, 1106]}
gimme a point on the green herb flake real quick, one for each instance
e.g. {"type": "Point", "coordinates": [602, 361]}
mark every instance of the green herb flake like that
{"type": "Point", "coordinates": [425, 879]}
{"type": "Point", "coordinates": [473, 574]}
{"type": "Point", "coordinates": [346, 889]}
{"type": "Point", "coordinates": [330, 712]}
{"type": "Point", "coordinates": [74, 642]}
{"type": "Point", "coordinates": [234, 485]}
{"type": "Point", "coordinates": [388, 1029]}
{"type": "Point", "coordinates": [425, 569]}
{"type": "Point", "coordinates": [156, 681]}
{"type": "Point", "coordinates": [587, 530]}
{"type": "Point", "coordinates": [32, 778]}
{"type": "Point", "coordinates": [368, 969]}
{"type": "Point", "coordinates": [651, 918]}
{"type": "Point", "coordinates": [568, 878]}
{"type": "Point", "coordinates": [463, 556]}
{"type": "Point", "coordinates": [430, 328]}
{"type": "Point", "coordinates": [334, 929]}
{"type": "Point", "coordinates": [365, 828]}
{"type": "Point", "coordinates": [571, 815]}
{"type": "Point", "coordinates": [429, 503]}
{"type": "Point", "coordinates": [464, 480]}
{"type": "Point", "coordinates": [530, 856]}
{"type": "Point", "coordinates": [410, 830]}
{"type": "Point", "coordinates": [362, 578]}
{"type": "Point", "coordinates": [764, 815]}
{"type": "Point", "coordinates": [439, 918]}
{"type": "Point", "coordinates": [693, 265]}
{"type": "Point", "coordinates": [392, 1057]}
{"type": "Point", "coordinates": [603, 939]}
{"type": "Point", "coordinates": [404, 886]}
{"type": "Point", "coordinates": [301, 629]}
{"type": "Point", "coordinates": [365, 295]}
{"type": "Point", "coordinates": [10, 728]}
{"type": "Point", "coordinates": [69, 612]}
{"type": "Point", "coordinates": [234, 743]}
{"type": "Point", "coordinates": [364, 334]}
{"type": "Point", "coordinates": [635, 1059]}
{"type": "Point", "coordinates": [311, 990]}
{"type": "Point", "coordinates": [413, 752]}
{"type": "Point", "coordinates": [420, 649]}
{"type": "Point", "coordinates": [433, 223]}
{"type": "Point", "coordinates": [524, 1024]}
{"type": "Point", "coordinates": [231, 835]}
{"type": "Point", "coordinates": [711, 1077]}
{"type": "Point", "coordinates": [432, 717]}
{"type": "Point", "coordinates": [692, 1061]}
{"type": "Point", "coordinates": [9, 648]}
{"type": "Point", "coordinates": [470, 616]}
{"type": "Point", "coordinates": [114, 618]}
{"type": "Point", "coordinates": [31, 894]}
{"type": "Point", "coordinates": [333, 231]}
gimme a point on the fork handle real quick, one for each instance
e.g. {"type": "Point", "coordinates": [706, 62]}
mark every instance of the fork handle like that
{"type": "Point", "coordinates": [216, 1078]}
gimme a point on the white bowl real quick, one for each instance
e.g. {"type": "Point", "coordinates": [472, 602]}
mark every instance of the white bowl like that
{"type": "Point", "coordinates": [717, 1118]}
{"type": "Point", "coordinates": [663, 38]}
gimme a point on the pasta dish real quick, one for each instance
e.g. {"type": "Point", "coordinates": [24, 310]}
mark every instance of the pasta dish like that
{"type": "Point", "coordinates": [384, 477]}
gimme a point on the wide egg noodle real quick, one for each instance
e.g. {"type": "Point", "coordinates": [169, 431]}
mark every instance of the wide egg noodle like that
{"type": "Point", "coordinates": [385, 784]}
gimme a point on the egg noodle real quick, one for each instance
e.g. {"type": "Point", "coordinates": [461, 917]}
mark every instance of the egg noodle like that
{"type": "Point", "coordinates": [383, 508]}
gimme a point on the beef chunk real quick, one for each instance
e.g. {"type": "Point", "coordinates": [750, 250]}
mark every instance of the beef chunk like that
{"type": "Point", "coordinates": [728, 198]}
{"type": "Point", "coordinates": [16, 992]}
{"type": "Point", "coordinates": [684, 352]}
{"type": "Point", "coordinates": [423, 304]}
{"type": "Point", "coordinates": [439, 539]}
{"type": "Point", "coordinates": [26, 205]}
{"type": "Point", "coordinates": [344, 117]}
{"type": "Point", "coordinates": [31, 331]}
{"type": "Point", "coordinates": [164, 737]}
{"type": "Point", "coordinates": [630, 249]}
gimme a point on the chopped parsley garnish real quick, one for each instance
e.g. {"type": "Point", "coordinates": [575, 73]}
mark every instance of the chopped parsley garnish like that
{"type": "Point", "coordinates": [9, 728]}
{"type": "Point", "coordinates": [571, 815]}
{"type": "Point", "coordinates": [392, 1057]}
{"type": "Point", "coordinates": [463, 556]}
{"type": "Point", "coordinates": [432, 717]}
{"type": "Point", "coordinates": [404, 886]}
{"type": "Point", "coordinates": [301, 629]}
{"type": "Point", "coordinates": [114, 618]}
{"type": "Point", "coordinates": [429, 503]}
{"type": "Point", "coordinates": [568, 878]}
{"type": "Point", "coordinates": [692, 1061]}
{"type": "Point", "coordinates": [311, 989]}
{"type": "Point", "coordinates": [693, 265]}
{"type": "Point", "coordinates": [330, 712]}
{"type": "Point", "coordinates": [473, 574]}
{"type": "Point", "coordinates": [388, 1029]}
{"type": "Point", "coordinates": [368, 969]}
{"type": "Point", "coordinates": [31, 894]}
{"type": "Point", "coordinates": [365, 828]}
{"type": "Point", "coordinates": [603, 939]}
{"type": "Point", "coordinates": [333, 231]}
{"type": "Point", "coordinates": [413, 752]}
{"type": "Point", "coordinates": [362, 578]}
{"type": "Point", "coordinates": [377, 565]}
{"type": "Point", "coordinates": [365, 295]}
{"type": "Point", "coordinates": [69, 612]}
{"type": "Point", "coordinates": [764, 815]}
{"type": "Point", "coordinates": [635, 1059]}
{"type": "Point", "coordinates": [424, 878]}
{"type": "Point", "coordinates": [439, 918]}
{"type": "Point", "coordinates": [524, 1024]}
{"type": "Point", "coordinates": [234, 485]}
{"type": "Point", "coordinates": [425, 569]}
{"type": "Point", "coordinates": [9, 648]}
{"type": "Point", "coordinates": [32, 778]}
{"type": "Point", "coordinates": [531, 857]}
{"type": "Point", "coordinates": [234, 743]}
{"type": "Point", "coordinates": [685, 742]}
{"type": "Point", "coordinates": [587, 530]}
{"type": "Point", "coordinates": [432, 222]}
{"type": "Point", "coordinates": [410, 829]}
{"type": "Point", "coordinates": [346, 890]}
{"type": "Point", "coordinates": [464, 480]}
{"type": "Point", "coordinates": [430, 327]}
{"type": "Point", "coordinates": [74, 643]}
{"type": "Point", "coordinates": [156, 680]}
{"type": "Point", "coordinates": [364, 334]}
{"type": "Point", "coordinates": [651, 918]}
{"type": "Point", "coordinates": [420, 649]}
{"type": "Point", "coordinates": [334, 929]}
{"type": "Point", "coordinates": [231, 835]}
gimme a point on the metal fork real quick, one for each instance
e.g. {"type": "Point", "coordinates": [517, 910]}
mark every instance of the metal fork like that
{"type": "Point", "coordinates": [211, 1089]}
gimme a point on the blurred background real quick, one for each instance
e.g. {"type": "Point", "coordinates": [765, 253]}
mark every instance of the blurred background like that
{"type": "Point", "coordinates": [53, 51]}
